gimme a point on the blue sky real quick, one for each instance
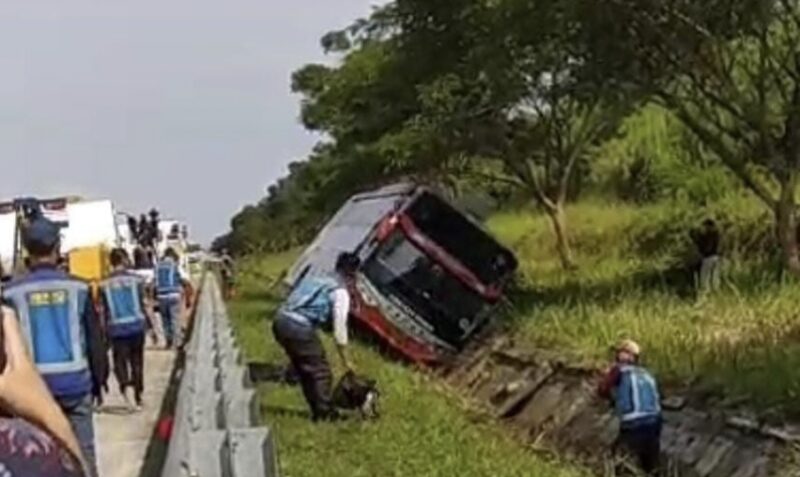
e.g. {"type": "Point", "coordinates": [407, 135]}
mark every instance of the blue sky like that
{"type": "Point", "coordinates": [179, 104]}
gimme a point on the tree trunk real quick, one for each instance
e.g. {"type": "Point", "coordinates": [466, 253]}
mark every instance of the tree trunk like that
{"type": "Point", "coordinates": [559, 220]}
{"type": "Point", "coordinates": [787, 230]}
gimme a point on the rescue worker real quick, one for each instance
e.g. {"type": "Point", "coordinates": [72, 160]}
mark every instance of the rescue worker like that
{"type": "Point", "coordinates": [171, 289]}
{"type": "Point", "coordinates": [633, 392]}
{"type": "Point", "coordinates": [123, 293]}
{"type": "Point", "coordinates": [37, 422]}
{"type": "Point", "coordinates": [58, 319]}
{"type": "Point", "coordinates": [313, 303]}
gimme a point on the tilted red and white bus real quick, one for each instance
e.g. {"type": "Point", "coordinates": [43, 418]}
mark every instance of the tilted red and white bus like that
{"type": "Point", "coordinates": [430, 275]}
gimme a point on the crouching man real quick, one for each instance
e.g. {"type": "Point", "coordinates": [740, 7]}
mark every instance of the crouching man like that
{"type": "Point", "coordinates": [314, 303]}
{"type": "Point", "coordinates": [634, 394]}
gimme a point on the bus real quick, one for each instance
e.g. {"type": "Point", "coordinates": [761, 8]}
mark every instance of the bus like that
{"type": "Point", "coordinates": [430, 276]}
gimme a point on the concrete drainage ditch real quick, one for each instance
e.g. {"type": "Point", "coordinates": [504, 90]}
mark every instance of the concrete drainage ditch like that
{"type": "Point", "coordinates": [551, 402]}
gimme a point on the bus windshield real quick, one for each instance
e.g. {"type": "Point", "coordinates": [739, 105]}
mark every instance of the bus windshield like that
{"type": "Point", "coordinates": [461, 238]}
{"type": "Point", "coordinates": [448, 306]}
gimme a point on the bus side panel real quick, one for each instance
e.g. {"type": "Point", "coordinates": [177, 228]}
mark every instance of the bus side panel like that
{"type": "Point", "coordinates": [374, 319]}
{"type": "Point", "coordinates": [347, 231]}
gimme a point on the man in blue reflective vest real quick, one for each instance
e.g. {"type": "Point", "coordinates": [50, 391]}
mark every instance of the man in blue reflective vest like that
{"type": "Point", "coordinates": [634, 393]}
{"type": "Point", "coordinates": [316, 302]}
{"type": "Point", "coordinates": [125, 317]}
{"type": "Point", "coordinates": [58, 319]}
{"type": "Point", "coordinates": [170, 287]}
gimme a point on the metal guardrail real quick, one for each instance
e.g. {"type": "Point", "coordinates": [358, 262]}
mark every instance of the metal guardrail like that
{"type": "Point", "coordinates": [214, 433]}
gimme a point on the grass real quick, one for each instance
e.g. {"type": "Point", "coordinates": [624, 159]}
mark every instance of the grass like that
{"type": "Point", "coordinates": [423, 430]}
{"type": "Point", "coordinates": [740, 344]}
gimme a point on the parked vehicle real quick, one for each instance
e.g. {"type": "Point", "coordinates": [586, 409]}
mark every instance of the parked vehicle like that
{"type": "Point", "coordinates": [88, 231]}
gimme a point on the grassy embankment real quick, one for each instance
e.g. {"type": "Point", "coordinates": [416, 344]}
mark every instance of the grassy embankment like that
{"type": "Point", "coordinates": [423, 431]}
{"type": "Point", "coordinates": [740, 345]}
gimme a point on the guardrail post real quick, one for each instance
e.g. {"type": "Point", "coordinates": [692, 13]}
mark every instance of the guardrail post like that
{"type": "Point", "coordinates": [213, 434]}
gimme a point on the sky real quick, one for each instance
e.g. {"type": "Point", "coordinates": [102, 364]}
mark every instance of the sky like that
{"type": "Point", "coordinates": [180, 104]}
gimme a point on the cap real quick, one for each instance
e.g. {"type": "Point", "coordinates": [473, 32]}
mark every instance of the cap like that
{"type": "Point", "coordinates": [41, 235]}
{"type": "Point", "coordinates": [629, 346]}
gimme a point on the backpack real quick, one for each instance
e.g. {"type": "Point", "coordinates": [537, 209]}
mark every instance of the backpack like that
{"type": "Point", "coordinates": [354, 392]}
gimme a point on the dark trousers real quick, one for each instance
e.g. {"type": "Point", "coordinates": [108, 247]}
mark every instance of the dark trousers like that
{"type": "Point", "coordinates": [78, 410]}
{"type": "Point", "coordinates": [307, 356]}
{"type": "Point", "coordinates": [129, 363]}
{"type": "Point", "coordinates": [643, 442]}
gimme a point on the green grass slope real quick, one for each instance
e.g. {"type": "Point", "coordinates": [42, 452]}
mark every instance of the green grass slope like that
{"type": "Point", "coordinates": [423, 430]}
{"type": "Point", "coordinates": [739, 345]}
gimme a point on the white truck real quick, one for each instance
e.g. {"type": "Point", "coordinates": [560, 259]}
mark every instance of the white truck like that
{"type": "Point", "coordinates": [85, 224]}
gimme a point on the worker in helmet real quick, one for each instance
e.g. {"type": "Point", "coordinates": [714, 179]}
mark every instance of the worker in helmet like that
{"type": "Point", "coordinates": [58, 319]}
{"type": "Point", "coordinates": [316, 302]}
{"type": "Point", "coordinates": [126, 317]}
{"type": "Point", "coordinates": [633, 391]}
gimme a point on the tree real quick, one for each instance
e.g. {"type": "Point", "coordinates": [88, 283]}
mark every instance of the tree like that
{"type": "Point", "coordinates": [728, 69]}
{"type": "Point", "coordinates": [545, 148]}
{"type": "Point", "coordinates": [508, 98]}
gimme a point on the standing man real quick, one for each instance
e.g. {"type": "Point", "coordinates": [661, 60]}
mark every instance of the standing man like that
{"type": "Point", "coordinates": [171, 288]}
{"type": "Point", "coordinates": [125, 318]}
{"type": "Point", "coordinates": [133, 227]}
{"type": "Point", "coordinates": [58, 319]}
{"type": "Point", "coordinates": [144, 230]}
{"type": "Point", "coordinates": [227, 274]}
{"type": "Point", "coordinates": [316, 302]}
{"type": "Point", "coordinates": [634, 394]}
{"type": "Point", "coordinates": [707, 240]}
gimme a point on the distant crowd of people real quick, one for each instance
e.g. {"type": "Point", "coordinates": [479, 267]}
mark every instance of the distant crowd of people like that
{"type": "Point", "coordinates": [56, 335]}
{"type": "Point", "coordinates": [145, 231]}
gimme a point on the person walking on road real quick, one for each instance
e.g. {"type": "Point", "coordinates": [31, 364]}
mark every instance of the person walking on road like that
{"type": "Point", "coordinates": [317, 302]}
{"type": "Point", "coordinates": [58, 318]}
{"type": "Point", "coordinates": [126, 317]}
{"type": "Point", "coordinates": [172, 289]}
{"type": "Point", "coordinates": [634, 394]}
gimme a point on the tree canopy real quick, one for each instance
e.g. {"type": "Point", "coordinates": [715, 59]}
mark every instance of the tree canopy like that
{"type": "Point", "coordinates": [525, 94]}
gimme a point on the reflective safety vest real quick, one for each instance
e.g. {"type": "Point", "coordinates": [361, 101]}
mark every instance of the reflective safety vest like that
{"type": "Point", "coordinates": [311, 300]}
{"type": "Point", "coordinates": [636, 396]}
{"type": "Point", "coordinates": [50, 305]}
{"type": "Point", "coordinates": [168, 279]}
{"type": "Point", "coordinates": [122, 292]}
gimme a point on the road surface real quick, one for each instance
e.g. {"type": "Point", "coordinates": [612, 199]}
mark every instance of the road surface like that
{"type": "Point", "coordinates": [124, 437]}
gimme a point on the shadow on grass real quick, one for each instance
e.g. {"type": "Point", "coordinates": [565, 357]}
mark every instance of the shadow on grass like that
{"type": "Point", "coordinates": [759, 371]}
{"type": "Point", "coordinates": [677, 281]}
{"type": "Point", "coordinates": [262, 296]}
{"type": "Point", "coordinates": [282, 411]}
